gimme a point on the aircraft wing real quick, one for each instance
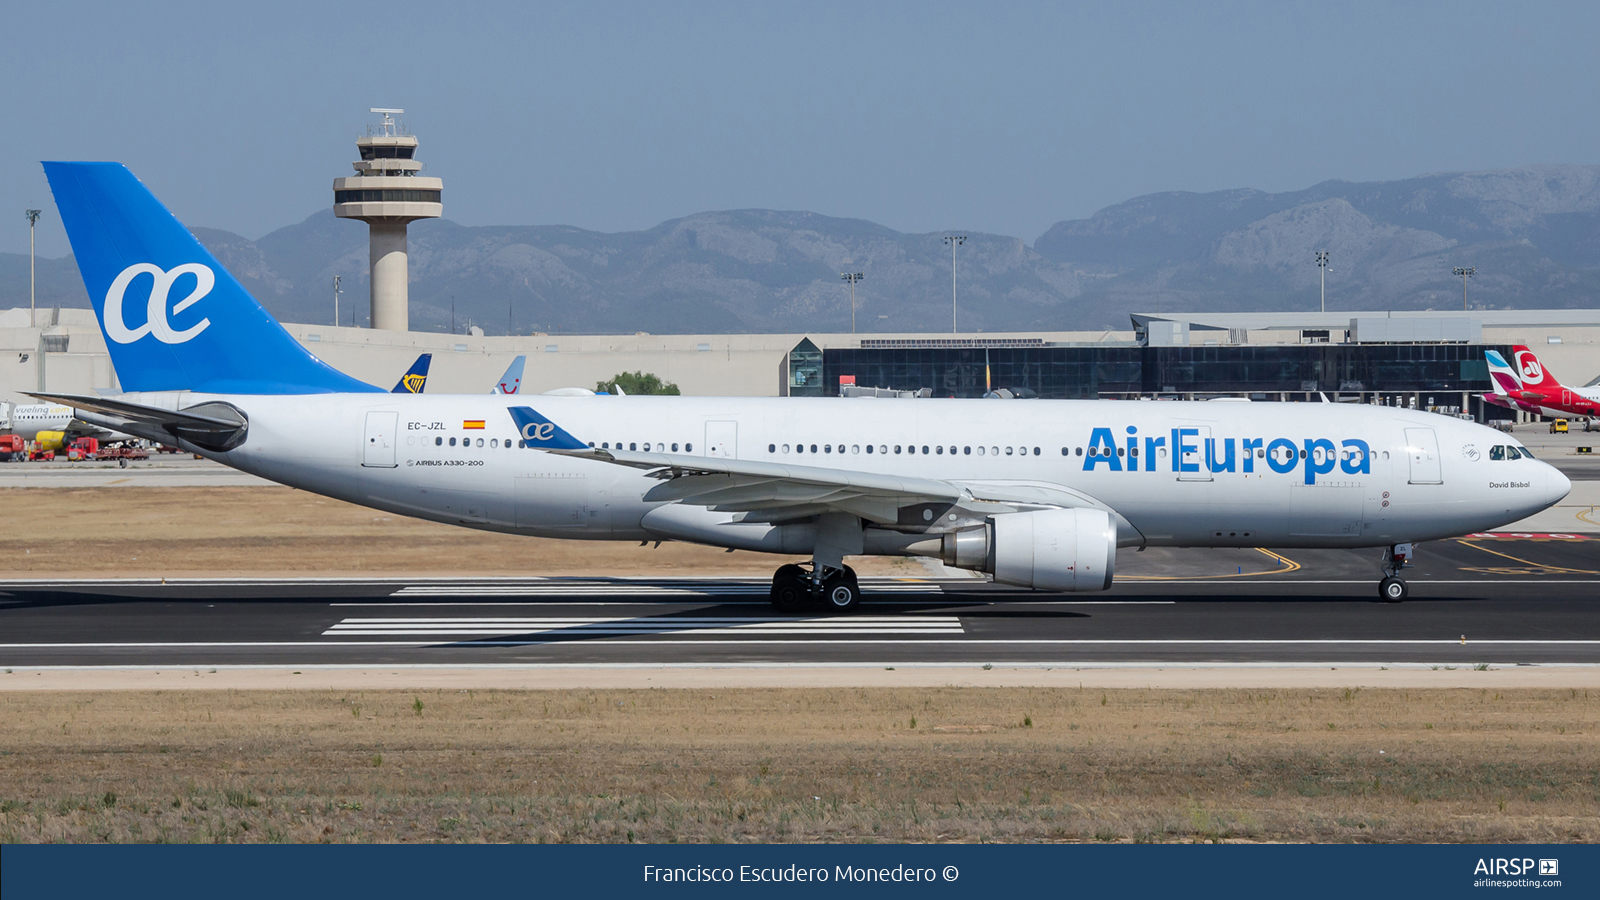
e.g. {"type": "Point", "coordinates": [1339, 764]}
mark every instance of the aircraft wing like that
{"type": "Point", "coordinates": [783, 492]}
{"type": "Point", "coordinates": [773, 492]}
{"type": "Point", "coordinates": [780, 492]}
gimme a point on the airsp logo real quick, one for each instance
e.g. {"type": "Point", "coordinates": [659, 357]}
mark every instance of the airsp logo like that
{"type": "Point", "coordinates": [156, 321]}
{"type": "Point", "coordinates": [1531, 370]}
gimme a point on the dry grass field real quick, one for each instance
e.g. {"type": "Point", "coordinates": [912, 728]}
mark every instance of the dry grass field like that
{"type": "Point", "coordinates": [894, 764]}
{"type": "Point", "coordinates": [139, 532]}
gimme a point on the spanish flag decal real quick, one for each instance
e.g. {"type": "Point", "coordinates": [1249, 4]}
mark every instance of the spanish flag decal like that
{"type": "Point", "coordinates": [473, 423]}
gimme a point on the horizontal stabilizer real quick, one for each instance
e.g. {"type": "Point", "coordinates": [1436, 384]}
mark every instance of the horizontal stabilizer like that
{"type": "Point", "coordinates": [211, 426]}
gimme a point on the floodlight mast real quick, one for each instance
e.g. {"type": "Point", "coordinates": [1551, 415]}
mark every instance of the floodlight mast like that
{"type": "Point", "coordinates": [33, 219]}
{"type": "Point", "coordinates": [852, 277]}
{"type": "Point", "coordinates": [1322, 266]}
{"type": "Point", "coordinates": [954, 240]}
{"type": "Point", "coordinates": [1465, 273]}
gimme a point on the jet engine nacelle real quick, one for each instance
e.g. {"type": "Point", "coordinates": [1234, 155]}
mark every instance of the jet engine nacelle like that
{"type": "Point", "coordinates": [50, 440]}
{"type": "Point", "coordinates": [1053, 549]}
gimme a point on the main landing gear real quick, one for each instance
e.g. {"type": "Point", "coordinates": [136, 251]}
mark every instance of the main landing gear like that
{"type": "Point", "coordinates": [796, 589]}
{"type": "Point", "coordinates": [1393, 589]}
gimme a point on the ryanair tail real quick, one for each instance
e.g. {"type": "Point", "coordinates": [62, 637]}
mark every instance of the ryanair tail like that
{"type": "Point", "coordinates": [414, 380]}
{"type": "Point", "coordinates": [173, 317]}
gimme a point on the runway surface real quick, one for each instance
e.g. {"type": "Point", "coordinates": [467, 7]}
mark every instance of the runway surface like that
{"type": "Point", "coordinates": [1492, 599]}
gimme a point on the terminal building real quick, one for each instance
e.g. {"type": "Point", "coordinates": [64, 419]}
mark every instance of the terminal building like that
{"type": "Point", "coordinates": [1408, 359]}
{"type": "Point", "coordinates": [1415, 359]}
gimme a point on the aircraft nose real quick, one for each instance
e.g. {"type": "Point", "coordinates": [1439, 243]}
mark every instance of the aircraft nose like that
{"type": "Point", "coordinates": [1557, 485]}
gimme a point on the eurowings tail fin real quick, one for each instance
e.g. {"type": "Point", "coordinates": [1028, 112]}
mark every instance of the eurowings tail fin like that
{"type": "Point", "coordinates": [416, 378]}
{"type": "Point", "coordinates": [1502, 375]}
{"type": "Point", "coordinates": [173, 317]}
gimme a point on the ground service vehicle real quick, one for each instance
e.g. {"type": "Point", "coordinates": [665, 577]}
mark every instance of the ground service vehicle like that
{"type": "Point", "coordinates": [11, 447]}
{"type": "Point", "coordinates": [83, 448]}
{"type": "Point", "coordinates": [1038, 494]}
{"type": "Point", "coordinates": [1558, 426]}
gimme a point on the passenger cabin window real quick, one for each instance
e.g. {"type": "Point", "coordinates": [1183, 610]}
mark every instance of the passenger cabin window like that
{"type": "Point", "coordinates": [438, 441]}
{"type": "Point", "coordinates": [452, 442]}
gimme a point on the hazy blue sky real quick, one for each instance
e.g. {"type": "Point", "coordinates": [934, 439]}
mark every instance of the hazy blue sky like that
{"type": "Point", "coordinates": [921, 116]}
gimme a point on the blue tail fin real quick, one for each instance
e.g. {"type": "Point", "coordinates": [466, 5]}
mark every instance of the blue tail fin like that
{"type": "Point", "coordinates": [537, 431]}
{"type": "Point", "coordinates": [413, 381]}
{"type": "Point", "coordinates": [174, 319]}
{"type": "Point", "coordinates": [511, 381]}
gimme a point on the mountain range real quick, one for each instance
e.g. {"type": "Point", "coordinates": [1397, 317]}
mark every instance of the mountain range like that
{"type": "Point", "coordinates": [1532, 233]}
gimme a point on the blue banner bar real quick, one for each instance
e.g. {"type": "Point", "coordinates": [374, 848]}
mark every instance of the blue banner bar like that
{"type": "Point", "coordinates": [309, 872]}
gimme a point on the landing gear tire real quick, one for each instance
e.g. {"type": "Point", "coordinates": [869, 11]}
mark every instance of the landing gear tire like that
{"type": "Point", "coordinates": [791, 589]}
{"type": "Point", "coordinates": [841, 593]}
{"type": "Point", "coordinates": [1393, 590]}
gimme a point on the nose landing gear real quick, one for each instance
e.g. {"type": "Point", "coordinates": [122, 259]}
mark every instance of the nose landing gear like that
{"type": "Point", "coordinates": [1393, 589]}
{"type": "Point", "coordinates": [795, 589]}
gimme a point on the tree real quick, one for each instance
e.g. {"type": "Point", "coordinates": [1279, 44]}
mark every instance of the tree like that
{"type": "Point", "coordinates": [638, 383]}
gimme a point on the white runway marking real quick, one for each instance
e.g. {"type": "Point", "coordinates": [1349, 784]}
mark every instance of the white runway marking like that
{"type": "Point", "coordinates": [700, 625]}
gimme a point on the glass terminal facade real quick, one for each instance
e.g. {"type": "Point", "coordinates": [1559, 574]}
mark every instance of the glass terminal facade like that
{"type": "Point", "coordinates": [1085, 372]}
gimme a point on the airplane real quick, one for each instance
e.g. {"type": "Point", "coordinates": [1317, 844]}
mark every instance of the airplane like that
{"type": "Point", "coordinates": [1039, 495]}
{"type": "Point", "coordinates": [29, 420]}
{"type": "Point", "coordinates": [511, 381]}
{"type": "Point", "coordinates": [415, 378]}
{"type": "Point", "coordinates": [1530, 387]}
{"type": "Point", "coordinates": [50, 426]}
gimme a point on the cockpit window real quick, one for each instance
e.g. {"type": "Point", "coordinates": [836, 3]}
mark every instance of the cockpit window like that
{"type": "Point", "coordinates": [1526, 453]}
{"type": "Point", "coordinates": [1497, 452]}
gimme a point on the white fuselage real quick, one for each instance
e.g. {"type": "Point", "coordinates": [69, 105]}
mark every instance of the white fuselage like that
{"type": "Point", "coordinates": [26, 420]}
{"type": "Point", "coordinates": [1187, 474]}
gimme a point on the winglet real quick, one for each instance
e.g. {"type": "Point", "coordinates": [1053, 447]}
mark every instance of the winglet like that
{"type": "Point", "coordinates": [539, 432]}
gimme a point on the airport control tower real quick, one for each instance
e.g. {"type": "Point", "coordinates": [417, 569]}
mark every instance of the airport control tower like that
{"type": "Point", "coordinates": [387, 194]}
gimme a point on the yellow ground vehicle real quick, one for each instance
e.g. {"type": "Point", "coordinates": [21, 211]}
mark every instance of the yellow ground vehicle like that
{"type": "Point", "coordinates": [1558, 426]}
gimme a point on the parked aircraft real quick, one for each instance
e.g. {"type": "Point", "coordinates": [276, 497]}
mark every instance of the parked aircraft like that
{"type": "Point", "coordinates": [1530, 387]}
{"type": "Point", "coordinates": [415, 378]}
{"type": "Point", "coordinates": [511, 381]}
{"type": "Point", "coordinates": [1038, 494]}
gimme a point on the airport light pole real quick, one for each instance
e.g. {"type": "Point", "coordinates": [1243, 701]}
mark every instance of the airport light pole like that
{"type": "Point", "coordinates": [336, 292]}
{"type": "Point", "coordinates": [954, 240]}
{"type": "Point", "coordinates": [852, 277]}
{"type": "Point", "coordinates": [1322, 266]}
{"type": "Point", "coordinates": [1465, 273]}
{"type": "Point", "coordinates": [33, 219]}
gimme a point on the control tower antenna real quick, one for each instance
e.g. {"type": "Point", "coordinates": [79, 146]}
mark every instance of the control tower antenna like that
{"type": "Point", "coordinates": [388, 194]}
